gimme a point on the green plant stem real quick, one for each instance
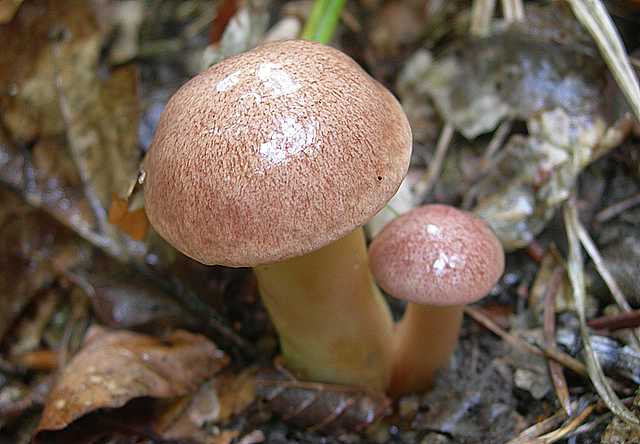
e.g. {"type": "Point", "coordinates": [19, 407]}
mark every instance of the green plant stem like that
{"type": "Point", "coordinates": [323, 20]}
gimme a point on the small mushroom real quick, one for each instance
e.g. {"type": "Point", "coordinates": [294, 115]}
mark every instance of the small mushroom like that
{"type": "Point", "coordinates": [274, 159]}
{"type": "Point", "coordinates": [437, 258]}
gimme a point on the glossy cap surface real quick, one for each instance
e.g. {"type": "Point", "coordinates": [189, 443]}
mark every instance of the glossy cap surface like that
{"type": "Point", "coordinates": [272, 154]}
{"type": "Point", "coordinates": [437, 255]}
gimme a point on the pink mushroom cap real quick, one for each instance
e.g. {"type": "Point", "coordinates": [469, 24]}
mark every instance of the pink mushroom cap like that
{"type": "Point", "coordinates": [272, 154]}
{"type": "Point", "coordinates": [437, 255]}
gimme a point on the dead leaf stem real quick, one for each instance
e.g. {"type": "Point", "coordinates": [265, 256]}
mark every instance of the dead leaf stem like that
{"type": "Point", "coordinates": [576, 276]}
{"type": "Point", "coordinates": [599, 262]}
{"type": "Point", "coordinates": [619, 207]}
{"type": "Point", "coordinates": [630, 319]}
{"type": "Point", "coordinates": [513, 10]}
{"type": "Point", "coordinates": [90, 193]}
{"type": "Point", "coordinates": [481, 14]}
{"type": "Point", "coordinates": [594, 17]}
{"type": "Point", "coordinates": [519, 343]}
{"type": "Point", "coordinates": [555, 370]}
{"type": "Point", "coordinates": [569, 427]}
{"type": "Point", "coordinates": [426, 183]}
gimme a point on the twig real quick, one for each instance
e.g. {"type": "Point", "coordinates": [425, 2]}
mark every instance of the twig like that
{"type": "Point", "coordinates": [481, 14]}
{"type": "Point", "coordinates": [539, 428]}
{"type": "Point", "coordinates": [629, 319]}
{"type": "Point", "coordinates": [517, 342]}
{"type": "Point", "coordinates": [497, 140]}
{"type": "Point", "coordinates": [555, 370]}
{"type": "Point", "coordinates": [594, 17]}
{"type": "Point", "coordinates": [587, 427]}
{"type": "Point", "coordinates": [592, 250]}
{"type": "Point", "coordinates": [65, 109]}
{"type": "Point", "coordinates": [75, 224]}
{"type": "Point", "coordinates": [535, 251]}
{"type": "Point", "coordinates": [97, 208]}
{"type": "Point", "coordinates": [213, 321]}
{"type": "Point", "coordinates": [576, 276]}
{"type": "Point", "coordinates": [34, 198]}
{"type": "Point", "coordinates": [617, 208]}
{"type": "Point", "coordinates": [513, 10]}
{"type": "Point", "coordinates": [426, 183]}
{"type": "Point", "coordinates": [488, 161]}
{"type": "Point", "coordinates": [569, 427]}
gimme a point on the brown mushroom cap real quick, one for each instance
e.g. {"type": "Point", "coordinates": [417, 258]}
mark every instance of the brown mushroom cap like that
{"type": "Point", "coordinates": [272, 154]}
{"type": "Point", "coordinates": [437, 255]}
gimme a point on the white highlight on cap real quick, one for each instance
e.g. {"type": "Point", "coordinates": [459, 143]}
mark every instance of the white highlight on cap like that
{"type": "Point", "coordinates": [276, 79]}
{"type": "Point", "coordinates": [293, 137]}
{"type": "Point", "coordinates": [433, 230]}
{"type": "Point", "coordinates": [445, 261]}
{"type": "Point", "coordinates": [228, 82]}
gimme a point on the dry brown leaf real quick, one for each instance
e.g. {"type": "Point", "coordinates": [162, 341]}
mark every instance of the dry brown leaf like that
{"type": "Point", "coordinates": [28, 100]}
{"type": "Point", "coordinates": [121, 299]}
{"type": "Point", "coordinates": [114, 367]}
{"type": "Point", "coordinates": [34, 250]}
{"type": "Point", "coordinates": [215, 402]}
{"type": "Point", "coordinates": [236, 391]}
{"type": "Point", "coordinates": [328, 408]}
{"type": "Point", "coordinates": [620, 432]}
{"type": "Point", "coordinates": [199, 417]}
{"type": "Point", "coordinates": [58, 92]}
{"type": "Point", "coordinates": [134, 223]}
{"type": "Point", "coordinates": [7, 9]}
{"type": "Point", "coordinates": [225, 437]}
{"type": "Point", "coordinates": [52, 67]}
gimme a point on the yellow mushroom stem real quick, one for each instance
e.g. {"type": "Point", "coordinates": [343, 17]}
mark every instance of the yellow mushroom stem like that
{"type": "Point", "coordinates": [424, 341]}
{"type": "Point", "coordinates": [333, 323]}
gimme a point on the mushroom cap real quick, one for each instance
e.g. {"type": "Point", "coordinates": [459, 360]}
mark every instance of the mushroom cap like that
{"type": "Point", "coordinates": [272, 154]}
{"type": "Point", "coordinates": [437, 255]}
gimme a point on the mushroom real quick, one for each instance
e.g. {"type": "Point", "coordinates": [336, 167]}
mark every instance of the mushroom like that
{"type": "Point", "coordinates": [437, 258]}
{"type": "Point", "coordinates": [274, 159]}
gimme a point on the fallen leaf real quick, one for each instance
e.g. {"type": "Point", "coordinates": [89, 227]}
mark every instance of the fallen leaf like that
{"type": "Point", "coordinates": [327, 408]}
{"type": "Point", "coordinates": [128, 424]}
{"type": "Point", "coordinates": [29, 329]}
{"type": "Point", "coordinates": [134, 223]}
{"type": "Point", "coordinates": [59, 95]}
{"type": "Point", "coordinates": [615, 359]}
{"type": "Point", "coordinates": [179, 420]}
{"type": "Point", "coordinates": [466, 406]}
{"type": "Point", "coordinates": [216, 402]}
{"type": "Point", "coordinates": [242, 31]}
{"type": "Point", "coordinates": [623, 258]}
{"type": "Point", "coordinates": [35, 250]}
{"type": "Point", "coordinates": [122, 299]}
{"type": "Point", "coordinates": [479, 82]}
{"type": "Point", "coordinates": [621, 432]}
{"type": "Point", "coordinates": [534, 175]}
{"type": "Point", "coordinates": [7, 9]}
{"type": "Point", "coordinates": [114, 367]}
{"type": "Point", "coordinates": [236, 391]}
{"type": "Point", "coordinates": [542, 73]}
{"type": "Point", "coordinates": [225, 12]}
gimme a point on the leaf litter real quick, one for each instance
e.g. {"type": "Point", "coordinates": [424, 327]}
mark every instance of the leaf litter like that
{"type": "Point", "coordinates": [114, 367]}
{"type": "Point", "coordinates": [534, 117]}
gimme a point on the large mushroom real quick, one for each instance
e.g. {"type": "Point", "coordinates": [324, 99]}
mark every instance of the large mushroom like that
{"type": "Point", "coordinates": [274, 159]}
{"type": "Point", "coordinates": [437, 258]}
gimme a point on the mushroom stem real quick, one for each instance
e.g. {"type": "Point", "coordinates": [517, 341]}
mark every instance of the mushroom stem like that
{"type": "Point", "coordinates": [333, 323]}
{"type": "Point", "coordinates": [424, 341]}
